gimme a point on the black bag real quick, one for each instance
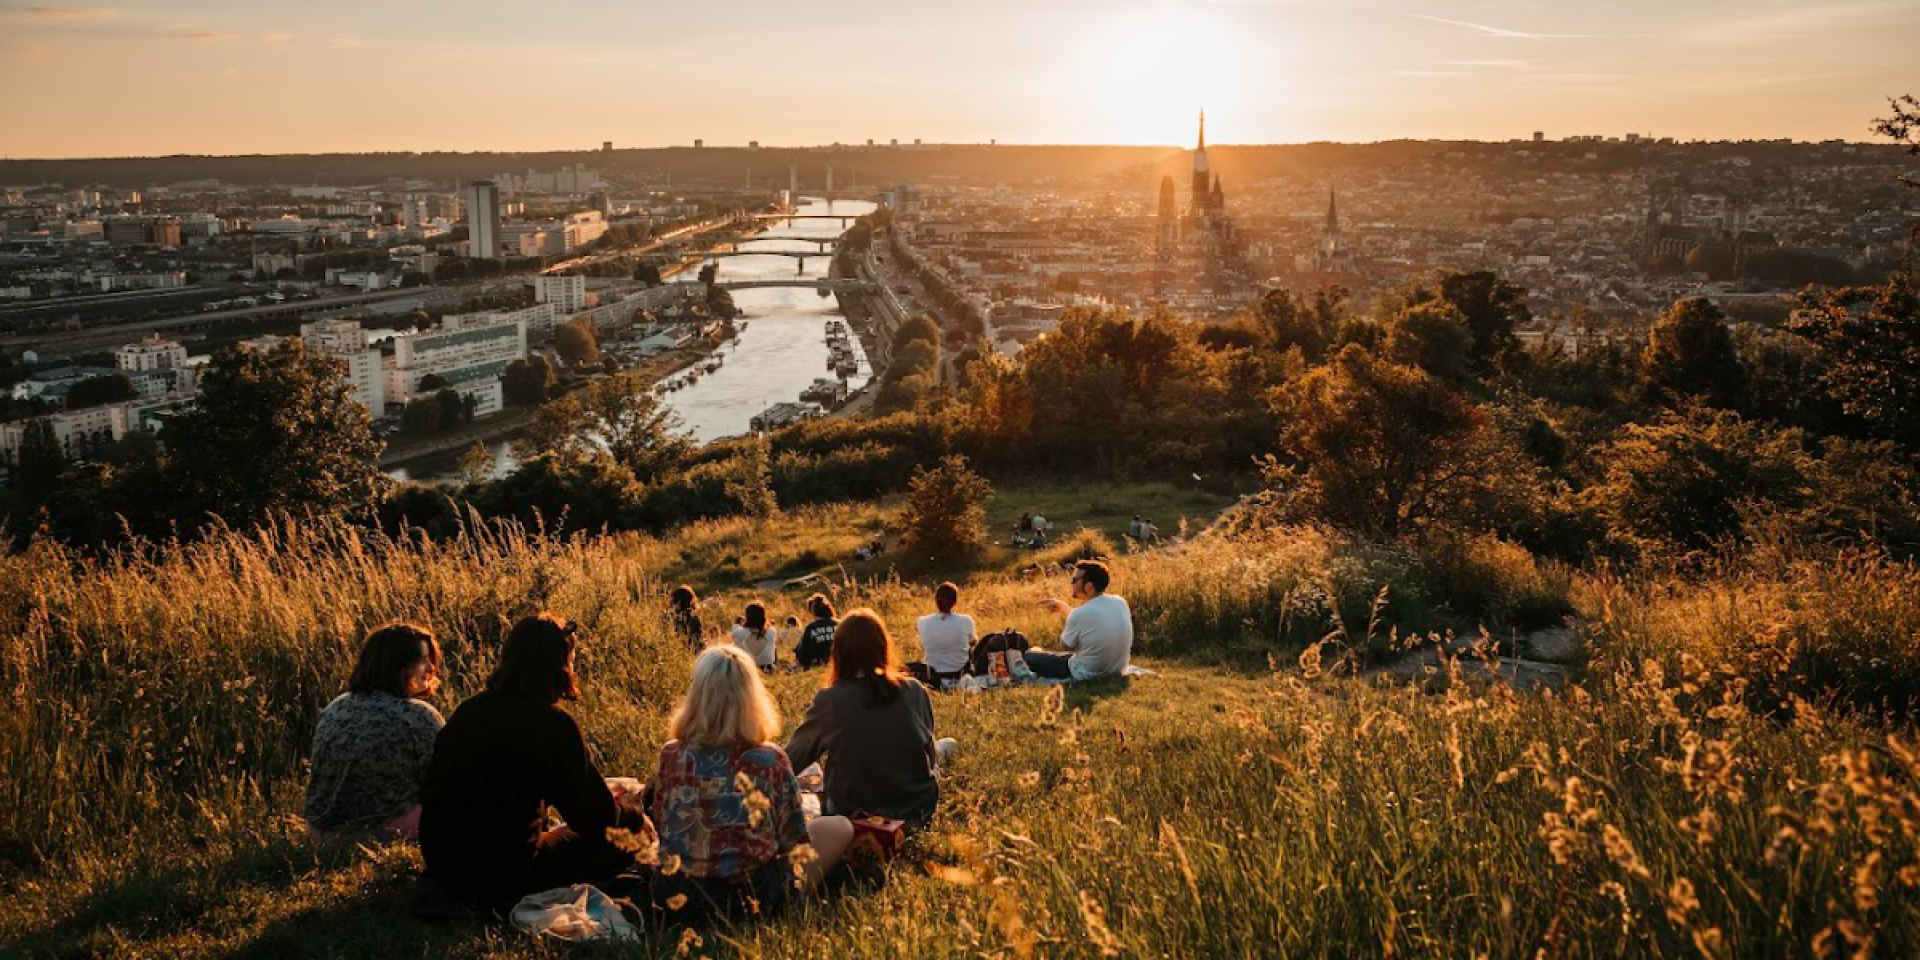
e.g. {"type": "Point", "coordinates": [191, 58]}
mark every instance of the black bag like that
{"type": "Point", "coordinates": [985, 647]}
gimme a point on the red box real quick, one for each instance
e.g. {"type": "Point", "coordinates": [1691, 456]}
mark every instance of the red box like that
{"type": "Point", "coordinates": [879, 837]}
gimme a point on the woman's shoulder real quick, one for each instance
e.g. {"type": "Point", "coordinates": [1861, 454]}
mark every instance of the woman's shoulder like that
{"type": "Point", "coordinates": [770, 756]}
{"type": "Point", "coordinates": [419, 709]}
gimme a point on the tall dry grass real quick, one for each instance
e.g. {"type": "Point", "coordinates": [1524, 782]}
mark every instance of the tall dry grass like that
{"type": "Point", "coordinates": [162, 704]}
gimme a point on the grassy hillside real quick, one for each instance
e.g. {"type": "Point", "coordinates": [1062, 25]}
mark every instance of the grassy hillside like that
{"type": "Point", "coordinates": [1250, 799]}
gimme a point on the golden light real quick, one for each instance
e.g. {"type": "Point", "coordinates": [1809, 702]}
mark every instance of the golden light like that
{"type": "Point", "coordinates": [1148, 72]}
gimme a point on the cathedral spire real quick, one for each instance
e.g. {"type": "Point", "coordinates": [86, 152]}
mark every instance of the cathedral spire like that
{"type": "Point", "coordinates": [1203, 130]}
{"type": "Point", "coordinates": [1333, 210]}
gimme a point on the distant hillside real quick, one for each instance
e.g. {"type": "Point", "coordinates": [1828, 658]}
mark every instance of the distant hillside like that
{"type": "Point", "coordinates": [884, 165]}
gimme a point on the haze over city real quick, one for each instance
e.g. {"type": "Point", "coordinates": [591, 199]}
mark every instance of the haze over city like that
{"type": "Point", "coordinates": [226, 77]}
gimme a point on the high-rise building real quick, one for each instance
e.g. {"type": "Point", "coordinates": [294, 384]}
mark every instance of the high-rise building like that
{"type": "Point", "coordinates": [1167, 238]}
{"type": "Point", "coordinates": [467, 354]}
{"type": "Point", "coordinates": [482, 201]}
{"type": "Point", "coordinates": [567, 294]}
{"type": "Point", "coordinates": [346, 340]}
{"type": "Point", "coordinates": [1539, 136]}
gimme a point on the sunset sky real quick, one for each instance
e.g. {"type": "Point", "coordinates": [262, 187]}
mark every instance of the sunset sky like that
{"type": "Point", "coordinates": [272, 76]}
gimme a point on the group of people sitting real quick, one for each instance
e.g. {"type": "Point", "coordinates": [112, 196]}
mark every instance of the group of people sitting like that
{"type": "Point", "coordinates": [719, 827]}
{"type": "Point", "coordinates": [1097, 638]}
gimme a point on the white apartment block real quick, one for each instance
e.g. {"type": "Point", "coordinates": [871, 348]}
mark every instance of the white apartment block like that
{"type": "Point", "coordinates": [152, 353]}
{"type": "Point", "coordinates": [568, 295]}
{"type": "Point", "coordinates": [347, 340]}
{"type": "Point", "coordinates": [81, 432]}
{"type": "Point", "coordinates": [468, 353]}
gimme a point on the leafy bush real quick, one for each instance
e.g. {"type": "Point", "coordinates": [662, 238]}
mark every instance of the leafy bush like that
{"type": "Point", "coordinates": [946, 514]}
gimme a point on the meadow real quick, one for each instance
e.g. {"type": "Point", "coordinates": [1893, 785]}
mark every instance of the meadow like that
{"type": "Point", "coordinates": [1260, 794]}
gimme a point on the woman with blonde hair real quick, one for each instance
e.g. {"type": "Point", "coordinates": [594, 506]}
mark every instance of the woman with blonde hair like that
{"type": "Point", "coordinates": [726, 805]}
{"type": "Point", "coordinates": [874, 727]}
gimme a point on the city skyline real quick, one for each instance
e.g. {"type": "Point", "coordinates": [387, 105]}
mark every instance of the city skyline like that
{"type": "Point", "coordinates": [221, 77]}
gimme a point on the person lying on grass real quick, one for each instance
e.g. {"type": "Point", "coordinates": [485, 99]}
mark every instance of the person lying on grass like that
{"type": "Point", "coordinates": [1099, 632]}
{"type": "Point", "coordinates": [505, 756]}
{"type": "Point", "coordinates": [873, 725]}
{"type": "Point", "coordinates": [373, 743]}
{"type": "Point", "coordinates": [732, 835]}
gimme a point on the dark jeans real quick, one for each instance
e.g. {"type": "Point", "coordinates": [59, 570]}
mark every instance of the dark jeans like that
{"type": "Point", "coordinates": [1052, 666]}
{"type": "Point", "coordinates": [558, 863]}
{"type": "Point", "coordinates": [763, 892]}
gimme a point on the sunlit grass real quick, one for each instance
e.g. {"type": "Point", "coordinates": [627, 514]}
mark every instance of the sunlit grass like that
{"type": "Point", "coordinates": [160, 708]}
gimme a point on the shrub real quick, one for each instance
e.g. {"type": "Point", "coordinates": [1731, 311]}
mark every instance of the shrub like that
{"type": "Point", "coordinates": [946, 515]}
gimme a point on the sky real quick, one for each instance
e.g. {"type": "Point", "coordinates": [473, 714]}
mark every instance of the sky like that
{"type": "Point", "coordinates": [278, 76]}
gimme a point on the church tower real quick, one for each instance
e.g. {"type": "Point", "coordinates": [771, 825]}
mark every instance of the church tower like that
{"type": "Point", "coordinates": [1202, 173]}
{"type": "Point", "coordinates": [1333, 247]}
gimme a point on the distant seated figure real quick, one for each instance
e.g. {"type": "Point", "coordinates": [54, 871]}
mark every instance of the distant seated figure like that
{"type": "Point", "coordinates": [373, 743]}
{"type": "Point", "coordinates": [1149, 532]}
{"type": "Point", "coordinates": [872, 728]}
{"type": "Point", "coordinates": [1137, 530]}
{"type": "Point", "coordinates": [816, 641]}
{"type": "Point", "coordinates": [684, 607]}
{"type": "Point", "coordinates": [754, 636]}
{"type": "Point", "coordinates": [946, 637]}
{"type": "Point", "coordinates": [1099, 632]}
{"type": "Point", "coordinates": [728, 804]}
{"type": "Point", "coordinates": [507, 754]}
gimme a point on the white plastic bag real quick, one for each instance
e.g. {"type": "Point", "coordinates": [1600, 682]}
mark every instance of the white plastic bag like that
{"type": "Point", "coordinates": [577, 914]}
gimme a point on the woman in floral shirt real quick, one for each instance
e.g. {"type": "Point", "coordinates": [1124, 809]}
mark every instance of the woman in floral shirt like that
{"type": "Point", "coordinates": [726, 805]}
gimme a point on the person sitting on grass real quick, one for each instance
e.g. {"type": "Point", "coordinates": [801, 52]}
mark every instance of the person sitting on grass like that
{"type": "Point", "coordinates": [754, 636]}
{"type": "Point", "coordinates": [684, 608]}
{"type": "Point", "coordinates": [1099, 632]}
{"type": "Point", "coordinates": [946, 637]}
{"type": "Point", "coordinates": [816, 641]}
{"type": "Point", "coordinates": [873, 725]}
{"type": "Point", "coordinates": [506, 755]}
{"type": "Point", "coordinates": [731, 830]}
{"type": "Point", "coordinates": [373, 743]}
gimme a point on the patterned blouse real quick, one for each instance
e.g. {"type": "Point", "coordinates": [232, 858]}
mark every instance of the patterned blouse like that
{"type": "Point", "coordinates": [370, 755]}
{"type": "Point", "coordinates": [725, 812]}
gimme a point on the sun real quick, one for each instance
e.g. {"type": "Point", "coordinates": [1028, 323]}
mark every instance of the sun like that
{"type": "Point", "coordinates": [1147, 73]}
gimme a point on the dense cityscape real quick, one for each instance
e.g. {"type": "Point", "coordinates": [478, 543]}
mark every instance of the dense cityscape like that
{"type": "Point", "coordinates": [114, 293]}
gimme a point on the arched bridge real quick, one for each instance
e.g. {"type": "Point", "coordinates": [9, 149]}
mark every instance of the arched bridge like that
{"type": "Point", "coordinates": [820, 284]}
{"type": "Point", "coordinates": [713, 254]}
{"type": "Point", "coordinates": [808, 216]}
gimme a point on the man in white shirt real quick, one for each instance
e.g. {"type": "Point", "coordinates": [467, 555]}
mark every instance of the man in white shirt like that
{"type": "Point", "coordinates": [1098, 634]}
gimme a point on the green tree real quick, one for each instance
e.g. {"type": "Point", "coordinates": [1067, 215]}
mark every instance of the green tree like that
{"type": "Point", "coordinates": [576, 342]}
{"type": "Point", "coordinates": [476, 465]}
{"type": "Point", "coordinates": [1434, 337]}
{"type": "Point", "coordinates": [454, 409]}
{"type": "Point", "coordinates": [918, 327]}
{"type": "Point", "coordinates": [1690, 353]}
{"type": "Point", "coordinates": [1869, 339]}
{"type": "Point", "coordinates": [40, 460]}
{"type": "Point", "coordinates": [423, 415]}
{"type": "Point", "coordinates": [273, 430]}
{"type": "Point", "coordinates": [1685, 482]}
{"type": "Point", "coordinates": [1375, 445]}
{"type": "Point", "coordinates": [749, 481]}
{"type": "Point", "coordinates": [946, 516]}
{"type": "Point", "coordinates": [96, 391]}
{"type": "Point", "coordinates": [616, 418]}
{"type": "Point", "coordinates": [528, 381]}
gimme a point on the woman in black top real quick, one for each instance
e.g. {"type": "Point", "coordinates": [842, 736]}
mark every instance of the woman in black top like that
{"type": "Point", "coordinates": [816, 641]}
{"type": "Point", "coordinates": [684, 607]}
{"type": "Point", "coordinates": [873, 729]}
{"type": "Point", "coordinates": [505, 756]}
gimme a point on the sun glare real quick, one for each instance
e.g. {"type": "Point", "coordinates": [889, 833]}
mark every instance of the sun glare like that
{"type": "Point", "coordinates": [1151, 72]}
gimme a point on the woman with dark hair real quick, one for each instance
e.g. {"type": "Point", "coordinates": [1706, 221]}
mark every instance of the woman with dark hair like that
{"type": "Point", "coordinates": [506, 756]}
{"type": "Point", "coordinates": [373, 743]}
{"type": "Point", "coordinates": [754, 636]}
{"type": "Point", "coordinates": [874, 727]}
{"type": "Point", "coordinates": [946, 638]}
{"type": "Point", "coordinates": [816, 641]}
{"type": "Point", "coordinates": [684, 607]}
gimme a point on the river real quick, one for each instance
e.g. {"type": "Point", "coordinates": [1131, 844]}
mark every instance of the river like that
{"type": "Point", "coordinates": [781, 351]}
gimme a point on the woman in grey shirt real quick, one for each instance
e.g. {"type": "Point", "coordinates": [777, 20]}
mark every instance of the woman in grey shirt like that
{"type": "Point", "coordinates": [372, 744]}
{"type": "Point", "coordinates": [874, 727]}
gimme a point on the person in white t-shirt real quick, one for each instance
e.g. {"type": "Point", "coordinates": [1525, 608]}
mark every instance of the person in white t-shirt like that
{"type": "Point", "coordinates": [946, 637]}
{"type": "Point", "coordinates": [753, 635]}
{"type": "Point", "coordinates": [1099, 632]}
